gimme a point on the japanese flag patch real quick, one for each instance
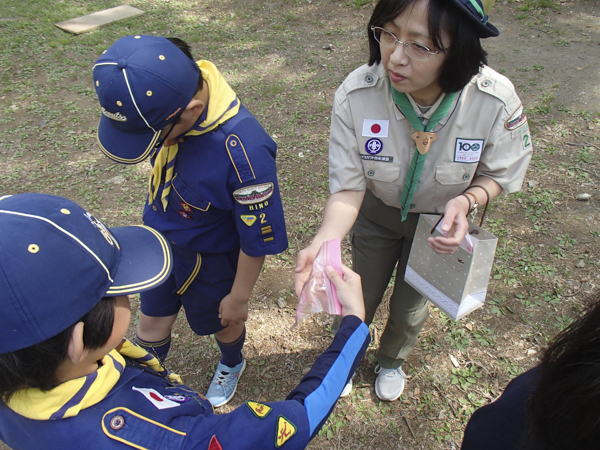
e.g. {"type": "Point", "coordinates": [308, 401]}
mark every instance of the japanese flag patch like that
{"type": "Point", "coordinates": [375, 128]}
{"type": "Point", "coordinates": [155, 398]}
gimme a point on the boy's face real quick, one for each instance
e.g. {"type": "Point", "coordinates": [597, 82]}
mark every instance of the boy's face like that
{"type": "Point", "coordinates": [120, 327]}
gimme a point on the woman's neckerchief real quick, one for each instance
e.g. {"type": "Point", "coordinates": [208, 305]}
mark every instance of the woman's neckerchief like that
{"type": "Point", "coordinates": [70, 397]}
{"type": "Point", "coordinates": [422, 137]}
{"type": "Point", "coordinates": [223, 105]}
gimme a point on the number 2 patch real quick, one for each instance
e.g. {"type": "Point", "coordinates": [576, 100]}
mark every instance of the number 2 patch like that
{"type": "Point", "coordinates": [524, 135]}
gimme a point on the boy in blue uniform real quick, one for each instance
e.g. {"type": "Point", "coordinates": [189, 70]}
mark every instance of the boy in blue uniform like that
{"type": "Point", "coordinates": [213, 190]}
{"type": "Point", "coordinates": [68, 379]}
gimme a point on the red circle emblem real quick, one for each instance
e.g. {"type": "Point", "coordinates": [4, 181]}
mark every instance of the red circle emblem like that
{"type": "Point", "coordinates": [376, 128]}
{"type": "Point", "coordinates": [155, 397]}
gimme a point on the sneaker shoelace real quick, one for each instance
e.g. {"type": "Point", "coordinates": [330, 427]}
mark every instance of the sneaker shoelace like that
{"type": "Point", "coordinates": [389, 373]}
{"type": "Point", "coordinates": [222, 377]}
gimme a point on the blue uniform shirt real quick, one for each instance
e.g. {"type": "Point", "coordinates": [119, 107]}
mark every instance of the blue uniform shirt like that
{"type": "Point", "coordinates": [145, 410]}
{"type": "Point", "coordinates": [224, 192]}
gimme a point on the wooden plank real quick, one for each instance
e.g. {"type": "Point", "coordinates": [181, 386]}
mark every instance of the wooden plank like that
{"type": "Point", "coordinates": [91, 21]}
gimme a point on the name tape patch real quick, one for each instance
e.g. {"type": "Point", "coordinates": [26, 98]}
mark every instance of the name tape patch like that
{"type": "Point", "coordinates": [377, 158]}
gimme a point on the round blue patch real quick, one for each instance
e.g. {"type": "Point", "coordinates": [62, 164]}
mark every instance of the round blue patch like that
{"type": "Point", "coordinates": [373, 146]}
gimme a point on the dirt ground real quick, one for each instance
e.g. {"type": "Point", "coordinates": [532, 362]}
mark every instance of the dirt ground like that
{"type": "Point", "coordinates": [548, 252]}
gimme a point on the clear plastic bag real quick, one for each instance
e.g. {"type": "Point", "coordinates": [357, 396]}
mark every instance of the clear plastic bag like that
{"type": "Point", "coordinates": [318, 293]}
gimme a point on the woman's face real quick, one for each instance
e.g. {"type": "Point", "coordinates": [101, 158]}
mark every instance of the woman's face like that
{"type": "Point", "coordinates": [417, 78]}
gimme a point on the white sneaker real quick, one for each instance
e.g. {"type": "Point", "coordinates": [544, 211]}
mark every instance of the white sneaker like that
{"type": "Point", "coordinates": [347, 389]}
{"type": "Point", "coordinates": [389, 383]}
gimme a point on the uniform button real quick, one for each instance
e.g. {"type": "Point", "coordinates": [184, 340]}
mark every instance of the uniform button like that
{"type": "Point", "coordinates": [486, 83]}
{"type": "Point", "coordinates": [466, 176]}
{"type": "Point", "coordinates": [371, 173]}
{"type": "Point", "coordinates": [153, 208]}
{"type": "Point", "coordinates": [117, 422]}
{"type": "Point", "coordinates": [412, 206]}
{"type": "Point", "coordinates": [369, 79]}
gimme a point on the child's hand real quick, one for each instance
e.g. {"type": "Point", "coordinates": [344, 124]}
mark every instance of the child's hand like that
{"type": "Point", "coordinates": [349, 291]}
{"type": "Point", "coordinates": [233, 311]}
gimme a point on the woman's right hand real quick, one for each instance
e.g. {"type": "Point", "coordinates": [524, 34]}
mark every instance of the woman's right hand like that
{"type": "Point", "coordinates": [349, 291]}
{"type": "Point", "coordinates": [304, 264]}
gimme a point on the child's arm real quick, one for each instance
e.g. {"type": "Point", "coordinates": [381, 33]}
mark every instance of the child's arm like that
{"type": "Point", "coordinates": [234, 306]}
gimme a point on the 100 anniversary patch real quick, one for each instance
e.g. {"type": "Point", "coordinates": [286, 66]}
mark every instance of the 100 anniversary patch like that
{"type": "Point", "coordinates": [257, 193]}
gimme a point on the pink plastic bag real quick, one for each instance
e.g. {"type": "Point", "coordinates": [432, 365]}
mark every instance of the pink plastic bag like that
{"type": "Point", "coordinates": [318, 293]}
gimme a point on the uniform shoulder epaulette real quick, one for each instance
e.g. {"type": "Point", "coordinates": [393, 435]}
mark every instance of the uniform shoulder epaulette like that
{"type": "Point", "coordinates": [361, 78]}
{"type": "Point", "coordinates": [497, 85]}
{"type": "Point", "coordinates": [239, 158]}
{"type": "Point", "coordinates": [500, 87]}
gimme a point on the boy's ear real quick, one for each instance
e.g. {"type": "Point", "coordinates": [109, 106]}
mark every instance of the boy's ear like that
{"type": "Point", "coordinates": [75, 351]}
{"type": "Point", "coordinates": [196, 106]}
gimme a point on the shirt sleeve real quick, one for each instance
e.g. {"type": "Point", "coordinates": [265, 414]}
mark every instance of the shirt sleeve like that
{"type": "Point", "coordinates": [291, 423]}
{"type": "Point", "coordinates": [345, 166]}
{"type": "Point", "coordinates": [258, 209]}
{"type": "Point", "coordinates": [320, 389]}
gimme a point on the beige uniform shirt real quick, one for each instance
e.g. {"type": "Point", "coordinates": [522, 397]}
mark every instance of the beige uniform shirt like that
{"type": "Point", "coordinates": [485, 133]}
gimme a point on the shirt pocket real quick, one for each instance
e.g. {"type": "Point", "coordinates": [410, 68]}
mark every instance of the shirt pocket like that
{"type": "Point", "coordinates": [190, 197]}
{"type": "Point", "coordinates": [381, 171]}
{"type": "Point", "coordinates": [451, 181]}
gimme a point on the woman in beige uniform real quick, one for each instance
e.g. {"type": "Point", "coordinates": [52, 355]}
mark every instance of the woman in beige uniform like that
{"type": "Point", "coordinates": [424, 127]}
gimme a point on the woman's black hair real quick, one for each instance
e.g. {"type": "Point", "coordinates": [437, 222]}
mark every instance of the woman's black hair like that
{"type": "Point", "coordinates": [36, 366]}
{"type": "Point", "coordinates": [185, 48]}
{"type": "Point", "coordinates": [464, 56]}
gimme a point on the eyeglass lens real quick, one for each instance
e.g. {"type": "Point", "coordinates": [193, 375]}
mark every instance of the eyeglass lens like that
{"type": "Point", "coordinates": [413, 49]}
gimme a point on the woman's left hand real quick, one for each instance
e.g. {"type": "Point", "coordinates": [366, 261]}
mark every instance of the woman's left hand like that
{"type": "Point", "coordinates": [454, 224]}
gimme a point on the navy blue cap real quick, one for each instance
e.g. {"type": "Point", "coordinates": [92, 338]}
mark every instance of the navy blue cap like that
{"type": "Point", "coordinates": [57, 261]}
{"type": "Point", "coordinates": [143, 83]}
{"type": "Point", "coordinates": [475, 11]}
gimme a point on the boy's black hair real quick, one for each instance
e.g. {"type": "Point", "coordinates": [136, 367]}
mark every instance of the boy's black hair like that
{"type": "Point", "coordinates": [464, 56]}
{"type": "Point", "coordinates": [564, 409]}
{"type": "Point", "coordinates": [185, 48]}
{"type": "Point", "coordinates": [36, 366]}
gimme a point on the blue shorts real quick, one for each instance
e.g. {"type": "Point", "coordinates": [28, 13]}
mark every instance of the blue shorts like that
{"type": "Point", "coordinates": [198, 283]}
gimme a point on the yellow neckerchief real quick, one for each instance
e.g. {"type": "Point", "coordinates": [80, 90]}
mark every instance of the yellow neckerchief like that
{"type": "Point", "coordinates": [223, 104]}
{"type": "Point", "coordinates": [70, 397]}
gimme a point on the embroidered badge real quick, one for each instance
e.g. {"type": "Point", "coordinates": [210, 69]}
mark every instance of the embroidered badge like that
{"type": "Point", "coordinates": [285, 431]}
{"type": "Point", "coordinates": [178, 398]}
{"type": "Point", "coordinates": [373, 146]}
{"type": "Point", "coordinates": [185, 206]}
{"type": "Point", "coordinates": [248, 219]}
{"type": "Point", "coordinates": [257, 193]}
{"type": "Point", "coordinates": [185, 215]}
{"type": "Point", "coordinates": [258, 409]}
{"type": "Point", "coordinates": [516, 120]}
{"type": "Point", "coordinates": [266, 233]}
{"type": "Point", "coordinates": [155, 398]}
{"type": "Point", "coordinates": [375, 128]}
{"type": "Point", "coordinates": [102, 229]}
{"type": "Point", "coordinates": [468, 150]}
{"type": "Point", "coordinates": [214, 444]}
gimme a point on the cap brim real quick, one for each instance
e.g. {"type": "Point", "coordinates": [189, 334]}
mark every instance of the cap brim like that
{"type": "Point", "coordinates": [146, 260]}
{"type": "Point", "coordinates": [125, 148]}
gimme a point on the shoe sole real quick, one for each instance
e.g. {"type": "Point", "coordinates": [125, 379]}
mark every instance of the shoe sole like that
{"type": "Point", "coordinates": [234, 389]}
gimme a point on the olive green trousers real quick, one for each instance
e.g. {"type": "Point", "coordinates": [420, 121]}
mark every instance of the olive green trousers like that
{"type": "Point", "coordinates": [380, 243]}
